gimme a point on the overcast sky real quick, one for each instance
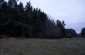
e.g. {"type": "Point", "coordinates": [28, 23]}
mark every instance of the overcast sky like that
{"type": "Point", "coordinates": [71, 11]}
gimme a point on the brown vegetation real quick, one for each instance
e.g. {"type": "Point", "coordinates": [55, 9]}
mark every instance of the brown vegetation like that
{"type": "Point", "coordinates": [65, 46]}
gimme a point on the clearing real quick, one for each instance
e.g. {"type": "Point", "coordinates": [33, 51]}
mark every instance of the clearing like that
{"type": "Point", "coordinates": [65, 46]}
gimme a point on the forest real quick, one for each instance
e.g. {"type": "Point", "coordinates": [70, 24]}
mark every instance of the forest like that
{"type": "Point", "coordinates": [21, 21]}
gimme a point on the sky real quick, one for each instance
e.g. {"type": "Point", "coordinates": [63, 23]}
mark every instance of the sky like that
{"type": "Point", "coordinates": [71, 11]}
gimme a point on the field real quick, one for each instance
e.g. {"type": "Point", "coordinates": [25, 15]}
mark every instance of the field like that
{"type": "Point", "coordinates": [65, 46]}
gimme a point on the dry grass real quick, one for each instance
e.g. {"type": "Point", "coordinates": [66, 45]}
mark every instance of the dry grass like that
{"type": "Point", "coordinates": [66, 46]}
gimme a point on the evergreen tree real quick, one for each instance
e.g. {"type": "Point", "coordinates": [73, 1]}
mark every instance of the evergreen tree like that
{"type": "Point", "coordinates": [60, 28]}
{"type": "Point", "coordinates": [20, 6]}
{"type": "Point", "coordinates": [17, 21]}
{"type": "Point", "coordinates": [83, 32]}
{"type": "Point", "coordinates": [70, 33]}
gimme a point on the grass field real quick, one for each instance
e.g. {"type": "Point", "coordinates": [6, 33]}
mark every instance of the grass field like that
{"type": "Point", "coordinates": [65, 46]}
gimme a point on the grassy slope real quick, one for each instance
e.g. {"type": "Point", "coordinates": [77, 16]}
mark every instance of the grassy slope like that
{"type": "Point", "coordinates": [73, 46]}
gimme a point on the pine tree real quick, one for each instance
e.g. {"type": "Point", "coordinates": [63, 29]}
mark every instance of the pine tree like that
{"type": "Point", "coordinates": [83, 32]}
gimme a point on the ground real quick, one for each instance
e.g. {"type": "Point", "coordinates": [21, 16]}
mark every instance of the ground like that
{"type": "Point", "coordinates": [65, 46]}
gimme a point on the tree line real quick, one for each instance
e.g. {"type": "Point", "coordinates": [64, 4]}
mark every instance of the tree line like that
{"type": "Point", "coordinates": [21, 21]}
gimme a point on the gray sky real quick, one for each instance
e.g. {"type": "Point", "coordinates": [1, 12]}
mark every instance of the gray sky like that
{"type": "Point", "coordinates": [71, 11]}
